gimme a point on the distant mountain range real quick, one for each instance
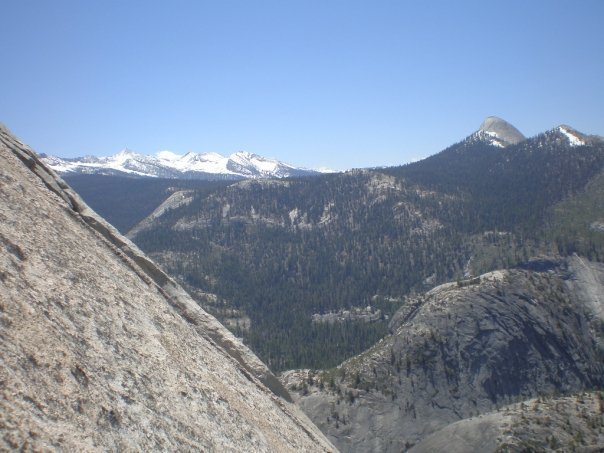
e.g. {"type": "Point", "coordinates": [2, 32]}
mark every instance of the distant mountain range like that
{"type": "Point", "coordinates": [167, 164]}
{"type": "Point", "coordinates": [244, 165]}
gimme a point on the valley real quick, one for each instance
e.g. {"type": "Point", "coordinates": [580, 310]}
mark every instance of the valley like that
{"type": "Point", "coordinates": [276, 253]}
{"type": "Point", "coordinates": [458, 297]}
{"type": "Point", "coordinates": [302, 227]}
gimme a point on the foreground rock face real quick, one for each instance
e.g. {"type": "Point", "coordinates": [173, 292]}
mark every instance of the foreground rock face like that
{"type": "Point", "coordinates": [99, 349]}
{"type": "Point", "coordinates": [465, 349]}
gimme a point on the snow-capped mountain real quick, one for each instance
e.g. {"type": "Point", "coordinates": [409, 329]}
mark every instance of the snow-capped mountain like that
{"type": "Point", "coordinates": [566, 135]}
{"type": "Point", "coordinates": [496, 135]}
{"type": "Point", "coordinates": [167, 164]}
{"type": "Point", "coordinates": [561, 137]}
{"type": "Point", "coordinates": [575, 138]}
{"type": "Point", "coordinates": [497, 132]}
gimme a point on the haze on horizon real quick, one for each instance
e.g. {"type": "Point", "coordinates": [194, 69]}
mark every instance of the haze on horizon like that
{"type": "Point", "coordinates": [336, 84]}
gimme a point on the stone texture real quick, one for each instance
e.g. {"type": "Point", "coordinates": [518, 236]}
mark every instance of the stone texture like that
{"type": "Point", "coordinates": [570, 423]}
{"type": "Point", "coordinates": [507, 133]}
{"type": "Point", "coordinates": [100, 350]}
{"type": "Point", "coordinates": [465, 349]}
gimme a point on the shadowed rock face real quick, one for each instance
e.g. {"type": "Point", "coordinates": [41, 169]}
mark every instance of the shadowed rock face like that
{"type": "Point", "coordinates": [464, 349]}
{"type": "Point", "coordinates": [99, 349]}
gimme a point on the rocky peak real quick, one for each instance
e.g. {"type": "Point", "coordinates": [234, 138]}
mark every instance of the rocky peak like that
{"type": "Point", "coordinates": [565, 135]}
{"type": "Point", "coordinates": [574, 137]}
{"type": "Point", "coordinates": [500, 132]}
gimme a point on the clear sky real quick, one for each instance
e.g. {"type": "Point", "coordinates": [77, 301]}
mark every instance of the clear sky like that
{"type": "Point", "coordinates": [315, 83]}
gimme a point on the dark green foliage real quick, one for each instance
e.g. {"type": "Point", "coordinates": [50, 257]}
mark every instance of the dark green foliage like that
{"type": "Point", "coordinates": [507, 189]}
{"type": "Point", "coordinates": [316, 345]}
{"type": "Point", "coordinates": [281, 251]}
{"type": "Point", "coordinates": [124, 201]}
{"type": "Point", "coordinates": [576, 225]}
{"type": "Point", "coordinates": [344, 249]}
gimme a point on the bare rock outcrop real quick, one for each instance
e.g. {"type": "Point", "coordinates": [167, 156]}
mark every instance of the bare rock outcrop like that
{"type": "Point", "coordinates": [463, 349]}
{"type": "Point", "coordinates": [566, 423]}
{"type": "Point", "coordinates": [100, 349]}
{"type": "Point", "coordinates": [502, 130]}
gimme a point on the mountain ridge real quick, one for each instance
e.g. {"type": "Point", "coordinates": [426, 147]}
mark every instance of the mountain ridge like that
{"type": "Point", "coordinates": [168, 164]}
{"type": "Point", "coordinates": [267, 256]}
{"type": "Point", "coordinates": [499, 133]}
{"type": "Point", "coordinates": [364, 237]}
{"type": "Point", "coordinates": [493, 131]}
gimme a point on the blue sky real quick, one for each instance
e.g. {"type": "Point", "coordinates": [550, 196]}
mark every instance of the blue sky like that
{"type": "Point", "coordinates": [316, 83]}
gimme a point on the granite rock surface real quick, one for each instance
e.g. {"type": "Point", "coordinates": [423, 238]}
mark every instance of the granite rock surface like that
{"type": "Point", "coordinates": [463, 349]}
{"type": "Point", "coordinates": [101, 350]}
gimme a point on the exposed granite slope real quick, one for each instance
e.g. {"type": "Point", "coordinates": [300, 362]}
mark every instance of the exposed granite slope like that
{"type": "Point", "coordinates": [465, 349]}
{"type": "Point", "coordinates": [569, 423]}
{"type": "Point", "coordinates": [99, 349]}
{"type": "Point", "coordinates": [502, 130]}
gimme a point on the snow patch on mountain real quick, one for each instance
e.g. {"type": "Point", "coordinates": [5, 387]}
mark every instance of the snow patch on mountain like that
{"type": "Point", "coordinates": [326, 170]}
{"type": "Point", "coordinates": [168, 155]}
{"type": "Point", "coordinates": [492, 138]}
{"type": "Point", "coordinates": [574, 138]}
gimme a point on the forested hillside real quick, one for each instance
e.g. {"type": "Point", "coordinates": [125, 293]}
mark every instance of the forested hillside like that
{"type": "Point", "coordinates": [124, 201]}
{"type": "Point", "coordinates": [508, 189]}
{"type": "Point", "coordinates": [282, 251]}
{"type": "Point", "coordinates": [265, 256]}
{"type": "Point", "coordinates": [468, 348]}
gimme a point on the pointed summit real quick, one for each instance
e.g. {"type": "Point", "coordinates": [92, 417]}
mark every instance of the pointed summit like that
{"type": "Point", "coordinates": [503, 132]}
{"type": "Point", "coordinates": [574, 137]}
{"type": "Point", "coordinates": [126, 152]}
{"type": "Point", "coordinates": [566, 135]}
